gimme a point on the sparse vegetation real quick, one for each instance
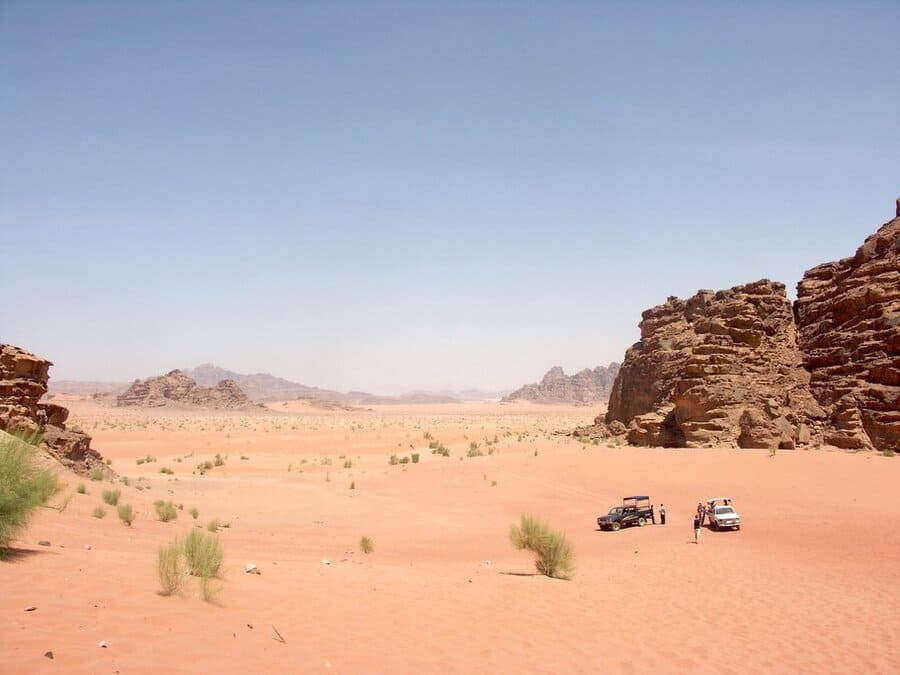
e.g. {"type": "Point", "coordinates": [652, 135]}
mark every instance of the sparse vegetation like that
{"type": "Point", "coordinates": [203, 553]}
{"type": "Point", "coordinates": [219, 461]}
{"type": "Point", "coordinates": [167, 470]}
{"type": "Point", "coordinates": [23, 487]}
{"type": "Point", "coordinates": [96, 474]}
{"type": "Point", "coordinates": [554, 552]}
{"type": "Point", "coordinates": [111, 497]}
{"type": "Point", "coordinates": [366, 545]}
{"type": "Point", "coordinates": [194, 512]}
{"type": "Point", "coordinates": [81, 489]}
{"type": "Point", "coordinates": [348, 463]}
{"type": "Point", "coordinates": [99, 512]}
{"type": "Point", "coordinates": [213, 525]}
{"type": "Point", "coordinates": [415, 457]}
{"type": "Point", "coordinates": [474, 450]}
{"type": "Point", "coordinates": [126, 514]}
{"type": "Point", "coordinates": [353, 485]}
{"type": "Point", "coordinates": [170, 568]}
{"type": "Point", "coordinates": [165, 511]}
{"type": "Point", "coordinates": [888, 452]}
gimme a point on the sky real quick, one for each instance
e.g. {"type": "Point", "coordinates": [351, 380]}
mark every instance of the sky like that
{"type": "Point", "coordinates": [388, 196]}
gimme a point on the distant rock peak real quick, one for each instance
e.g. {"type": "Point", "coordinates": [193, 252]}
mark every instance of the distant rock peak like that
{"type": "Point", "coordinates": [584, 387]}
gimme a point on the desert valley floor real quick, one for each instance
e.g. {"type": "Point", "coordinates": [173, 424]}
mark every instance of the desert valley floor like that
{"type": "Point", "coordinates": [808, 585]}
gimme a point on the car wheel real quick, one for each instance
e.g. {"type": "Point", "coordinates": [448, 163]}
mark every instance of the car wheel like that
{"type": "Point", "coordinates": [616, 526]}
{"type": "Point", "coordinates": [737, 527]}
{"type": "Point", "coordinates": [714, 526]}
{"type": "Point", "coordinates": [642, 522]}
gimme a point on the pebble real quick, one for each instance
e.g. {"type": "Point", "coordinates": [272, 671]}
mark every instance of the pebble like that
{"type": "Point", "coordinates": [103, 644]}
{"type": "Point", "coordinates": [30, 608]}
{"type": "Point", "coordinates": [49, 655]}
{"type": "Point", "coordinates": [87, 548]}
{"type": "Point", "coordinates": [326, 561]}
{"type": "Point", "coordinates": [43, 542]}
{"type": "Point", "coordinates": [252, 569]}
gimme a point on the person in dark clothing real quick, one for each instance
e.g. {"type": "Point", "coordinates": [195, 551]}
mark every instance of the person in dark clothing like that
{"type": "Point", "coordinates": [701, 512]}
{"type": "Point", "coordinates": [697, 529]}
{"type": "Point", "coordinates": [662, 514]}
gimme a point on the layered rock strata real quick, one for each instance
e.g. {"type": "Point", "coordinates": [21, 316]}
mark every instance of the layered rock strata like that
{"type": "Point", "coordinates": [584, 387]}
{"type": "Point", "coordinates": [177, 388]}
{"type": "Point", "coordinates": [23, 381]}
{"type": "Point", "coordinates": [848, 319]}
{"type": "Point", "coordinates": [721, 368]}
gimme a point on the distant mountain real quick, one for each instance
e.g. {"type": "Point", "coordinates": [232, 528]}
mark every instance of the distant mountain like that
{"type": "Point", "coordinates": [85, 388]}
{"type": "Point", "coordinates": [584, 387]}
{"type": "Point", "coordinates": [262, 386]}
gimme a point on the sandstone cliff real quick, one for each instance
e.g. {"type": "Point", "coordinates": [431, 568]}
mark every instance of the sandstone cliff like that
{"type": "Point", "coordinates": [741, 367]}
{"type": "Point", "coordinates": [23, 381]}
{"type": "Point", "coordinates": [848, 318]}
{"type": "Point", "coordinates": [584, 387]}
{"type": "Point", "coordinates": [177, 388]}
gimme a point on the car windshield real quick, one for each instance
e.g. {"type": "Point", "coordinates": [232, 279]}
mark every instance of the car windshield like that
{"type": "Point", "coordinates": [615, 511]}
{"type": "Point", "coordinates": [724, 510]}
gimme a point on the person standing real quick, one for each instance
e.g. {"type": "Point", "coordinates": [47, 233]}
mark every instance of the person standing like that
{"type": "Point", "coordinates": [662, 514]}
{"type": "Point", "coordinates": [701, 512]}
{"type": "Point", "coordinates": [697, 529]}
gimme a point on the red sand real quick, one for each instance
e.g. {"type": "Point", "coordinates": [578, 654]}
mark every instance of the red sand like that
{"type": "Point", "coordinates": [808, 585]}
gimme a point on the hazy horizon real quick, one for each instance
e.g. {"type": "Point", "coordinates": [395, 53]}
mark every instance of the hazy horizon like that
{"type": "Point", "coordinates": [399, 196]}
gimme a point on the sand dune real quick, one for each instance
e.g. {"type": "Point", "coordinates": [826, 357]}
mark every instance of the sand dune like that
{"type": "Point", "coordinates": [808, 585]}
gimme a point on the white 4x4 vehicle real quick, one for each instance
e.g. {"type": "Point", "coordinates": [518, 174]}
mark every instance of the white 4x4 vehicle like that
{"type": "Point", "coordinates": [721, 514]}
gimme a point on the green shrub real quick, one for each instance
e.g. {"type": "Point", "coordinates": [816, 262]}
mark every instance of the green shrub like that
{"type": "Point", "coordinates": [205, 466]}
{"type": "Point", "coordinates": [203, 554]}
{"type": "Point", "coordinates": [125, 481]}
{"type": "Point", "coordinates": [194, 512]}
{"type": "Point", "coordinates": [366, 545]}
{"type": "Point", "coordinates": [888, 452]}
{"type": "Point", "coordinates": [219, 461]}
{"type": "Point", "coordinates": [394, 460]}
{"type": "Point", "coordinates": [99, 512]}
{"type": "Point", "coordinates": [554, 552]}
{"type": "Point", "coordinates": [126, 514]}
{"type": "Point", "coordinates": [81, 489]}
{"type": "Point", "coordinates": [165, 511]}
{"type": "Point", "coordinates": [166, 470]}
{"type": "Point", "coordinates": [111, 497]}
{"type": "Point", "coordinates": [213, 525]}
{"type": "Point", "coordinates": [170, 567]}
{"type": "Point", "coordinates": [474, 450]}
{"type": "Point", "coordinates": [415, 458]}
{"type": "Point", "coordinates": [23, 486]}
{"type": "Point", "coordinates": [404, 460]}
{"type": "Point", "coordinates": [96, 474]}
{"type": "Point", "coordinates": [348, 464]}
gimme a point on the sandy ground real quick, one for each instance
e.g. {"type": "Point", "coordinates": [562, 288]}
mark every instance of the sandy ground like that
{"type": "Point", "coordinates": [808, 585]}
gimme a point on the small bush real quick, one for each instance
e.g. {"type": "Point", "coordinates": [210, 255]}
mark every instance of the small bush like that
{"type": "Point", "coordinates": [213, 525]}
{"type": "Point", "coordinates": [404, 460]}
{"type": "Point", "coordinates": [166, 470]}
{"type": "Point", "coordinates": [99, 512]}
{"type": "Point", "coordinates": [125, 481]}
{"type": "Point", "coordinates": [81, 489]}
{"type": "Point", "coordinates": [415, 458]}
{"type": "Point", "coordinates": [474, 450]}
{"type": "Point", "coordinates": [165, 511]}
{"type": "Point", "coordinates": [366, 545]}
{"type": "Point", "coordinates": [204, 466]}
{"type": "Point", "coordinates": [553, 550]}
{"type": "Point", "coordinates": [219, 461]}
{"type": "Point", "coordinates": [170, 568]}
{"type": "Point", "coordinates": [353, 485]}
{"type": "Point", "coordinates": [194, 512]}
{"type": "Point", "coordinates": [394, 460]}
{"type": "Point", "coordinates": [203, 554]}
{"type": "Point", "coordinates": [111, 497]}
{"type": "Point", "coordinates": [96, 474]}
{"type": "Point", "coordinates": [126, 514]}
{"type": "Point", "coordinates": [23, 487]}
{"type": "Point", "coordinates": [888, 452]}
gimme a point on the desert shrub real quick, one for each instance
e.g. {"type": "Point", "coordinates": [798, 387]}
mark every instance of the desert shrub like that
{"type": "Point", "coordinates": [348, 464]}
{"type": "Point", "coordinates": [166, 470]}
{"type": "Point", "coordinates": [888, 452]}
{"type": "Point", "coordinates": [126, 514]}
{"type": "Point", "coordinates": [194, 512]}
{"type": "Point", "coordinates": [474, 450]}
{"type": "Point", "coordinates": [415, 458]}
{"type": "Point", "coordinates": [125, 481]}
{"type": "Point", "coordinates": [554, 552]}
{"type": "Point", "coordinates": [111, 497]}
{"type": "Point", "coordinates": [219, 461]}
{"type": "Point", "coordinates": [404, 460]}
{"type": "Point", "coordinates": [353, 485]}
{"type": "Point", "coordinates": [23, 486]}
{"type": "Point", "coordinates": [213, 525]}
{"type": "Point", "coordinates": [170, 567]}
{"type": "Point", "coordinates": [203, 554]}
{"type": "Point", "coordinates": [394, 460]}
{"type": "Point", "coordinates": [428, 436]}
{"type": "Point", "coordinates": [366, 545]}
{"type": "Point", "coordinates": [203, 467]}
{"type": "Point", "coordinates": [99, 512]}
{"type": "Point", "coordinates": [139, 461]}
{"type": "Point", "coordinates": [96, 474]}
{"type": "Point", "coordinates": [165, 511]}
{"type": "Point", "coordinates": [81, 489]}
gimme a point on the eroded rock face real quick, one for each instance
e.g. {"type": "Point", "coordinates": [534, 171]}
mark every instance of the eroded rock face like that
{"type": "Point", "coordinates": [720, 368]}
{"type": "Point", "coordinates": [176, 387]}
{"type": "Point", "coordinates": [23, 381]}
{"type": "Point", "coordinates": [586, 386]}
{"type": "Point", "coordinates": [848, 319]}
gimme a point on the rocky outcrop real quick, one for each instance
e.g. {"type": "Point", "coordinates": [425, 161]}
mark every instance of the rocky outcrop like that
{"type": "Point", "coordinates": [848, 319]}
{"type": "Point", "coordinates": [721, 368]}
{"type": "Point", "coordinates": [23, 381]}
{"type": "Point", "coordinates": [742, 367]}
{"type": "Point", "coordinates": [177, 388]}
{"type": "Point", "coordinates": [584, 387]}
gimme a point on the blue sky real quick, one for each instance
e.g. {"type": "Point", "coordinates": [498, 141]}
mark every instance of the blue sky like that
{"type": "Point", "coordinates": [398, 195]}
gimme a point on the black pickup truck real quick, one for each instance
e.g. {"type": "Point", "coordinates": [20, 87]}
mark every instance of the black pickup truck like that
{"type": "Point", "coordinates": [636, 510]}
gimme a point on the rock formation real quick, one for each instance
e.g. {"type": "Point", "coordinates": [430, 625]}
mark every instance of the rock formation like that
{"type": "Point", "coordinates": [717, 369]}
{"type": "Point", "coordinates": [23, 381]}
{"type": "Point", "coordinates": [585, 387]}
{"type": "Point", "coordinates": [176, 387]}
{"type": "Point", "coordinates": [741, 367]}
{"type": "Point", "coordinates": [848, 319]}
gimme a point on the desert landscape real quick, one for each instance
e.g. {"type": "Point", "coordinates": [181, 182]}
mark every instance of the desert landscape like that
{"type": "Point", "coordinates": [807, 585]}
